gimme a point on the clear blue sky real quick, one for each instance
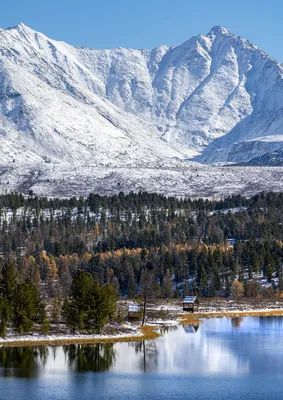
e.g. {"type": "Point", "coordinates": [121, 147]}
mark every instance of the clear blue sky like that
{"type": "Point", "coordinates": [145, 23]}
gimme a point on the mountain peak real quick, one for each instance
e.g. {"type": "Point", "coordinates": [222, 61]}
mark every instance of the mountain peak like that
{"type": "Point", "coordinates": [19, 27]}
{"type": "Point", "coordinates": [219, 30]}
{"type": "Point", "coordinates": [190, 96]}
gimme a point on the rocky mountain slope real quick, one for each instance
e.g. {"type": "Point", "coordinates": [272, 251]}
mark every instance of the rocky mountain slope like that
{"type": "Point", "coordinates": [217, 96]}
{"type": "Point", "coordinates": [273, 159]}
{"type": "Point", "coordinates": [51, 111]}
{"type": "Point", "coordinates": [213, 99]}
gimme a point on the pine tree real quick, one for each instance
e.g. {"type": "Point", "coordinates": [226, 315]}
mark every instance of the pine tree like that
{"type": "Point", "coordinates": [90, 305]}
{"type": "Point", "coordinates": [109, 295]}
{"type": "Point", "coordinates": [269, 272]}
{"type": "Point", "coordinates": [8, 286]}
{"type": "Point", "coordinates": [26, 307]}
{"type": "Point", "coordinates": [56, 309]}
{"type": "Point", "coordinates": [9, 281]}
{"type": "Point", "coordinates": [167, 285]}
{"type": "Point", "coordinates": [66, 313]}
{"type": "Point", "coordinates": [120, 318]}
{"type": "Point", "coordinates": [186, 288]}
{"type": "Point", "coordinates": [131, 283]}
{"type": "Point", "coordinates": [203, 280]}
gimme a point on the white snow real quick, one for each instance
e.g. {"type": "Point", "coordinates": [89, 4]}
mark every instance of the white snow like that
{"type": "Point", "coordinates": [134, 332]}
{"type": "Point", "coordinates": [90, 118]}
{"type": "Point", "coordinates": [196, 180]}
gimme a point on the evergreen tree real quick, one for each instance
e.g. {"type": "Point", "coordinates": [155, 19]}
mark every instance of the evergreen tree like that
{"type": "Point", "coordinates": [9, 281]}
{"type": "Point", "coordinates": [203, 281]}
{"type": "Point", "coordinates": [167, 285]}
{"type": "Point", "coordinates": [56, 309]}
{"type": "Point", "coordinates": [90, 305]}
{"type": "Point", "coordinates": [131, 283]}
{"type": "Point", "coordinates": [8, 286]}
{"type": "Point", "coordinates": [27, 308]}
{"type": "Point", "coordinates": [186, 288]}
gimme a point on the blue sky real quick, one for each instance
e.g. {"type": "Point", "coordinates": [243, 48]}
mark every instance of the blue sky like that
{"type": "Point", "coordinates": [145, 23]}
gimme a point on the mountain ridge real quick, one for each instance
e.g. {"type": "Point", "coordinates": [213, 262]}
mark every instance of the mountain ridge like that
{"type": "Point", "coordinates": [215, 98]}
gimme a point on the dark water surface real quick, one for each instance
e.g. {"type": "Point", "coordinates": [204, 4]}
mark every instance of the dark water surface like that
{"type": "Point", "coordinates": [219, 359]}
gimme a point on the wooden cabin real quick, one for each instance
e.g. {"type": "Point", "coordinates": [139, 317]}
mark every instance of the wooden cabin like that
{"type": "Point", "coordinates": [191, 304]}
{"type": "Point", "coordinates": [134, 310]}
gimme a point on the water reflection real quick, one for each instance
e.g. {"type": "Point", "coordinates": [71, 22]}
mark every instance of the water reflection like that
{"type": "Point", "coordinates": [236, 322]}
{"type": "Point", "coordinates": [191, 328]}
{"type": "Point", "coordinates": [148, 357]}
{"type": "Point", "coordinates": [95, 358]}
{"type": "Point", "coordinates": [22, 361]}
{"type": "Point", "coordinates": [228, 347]}
{"type": "Point", "coordinates": [167, 329]}
{"type": "Point", "coordinates": [272, 323]}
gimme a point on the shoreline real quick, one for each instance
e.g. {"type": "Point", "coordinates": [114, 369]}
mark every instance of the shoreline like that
{"type": "Point", "coordinates": [190, 319]}
{"type": "Point", "coordinates": [147, 332]}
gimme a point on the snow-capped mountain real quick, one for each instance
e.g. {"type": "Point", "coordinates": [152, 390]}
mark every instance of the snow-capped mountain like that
{"type": "Point", "coordinates": [52, 108]}
{"type": "Point", "coordinates": [215, 98]}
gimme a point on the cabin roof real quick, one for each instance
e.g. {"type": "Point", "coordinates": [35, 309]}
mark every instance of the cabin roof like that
{"type": "Point", "coordinates": [134, 308]}
{"type": "Point", "coordinates": [189, 299]}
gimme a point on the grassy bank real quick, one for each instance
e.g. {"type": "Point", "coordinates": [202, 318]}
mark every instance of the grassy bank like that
{"type": "Point", "coordinates": [146, 333]}
{"type": "Point", "coordinates": [159, 313]}
{"type": "Point", "coordinates": [191, 319]}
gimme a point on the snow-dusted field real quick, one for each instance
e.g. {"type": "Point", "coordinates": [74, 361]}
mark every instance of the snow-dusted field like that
{"type": "Point", "coordinates": [193, 180]}
{"type": "Point", "coordinates": [130, 331]}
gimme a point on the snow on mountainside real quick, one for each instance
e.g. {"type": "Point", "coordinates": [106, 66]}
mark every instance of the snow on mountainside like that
{"type": "Point", "coordinates": [49, 109]}
{"type": "Point", "coordinates": [214, 98]}
{"type": "Point", "coordinates": [211, 87]}
{"type": "Point", "coordinates": [272, 159]}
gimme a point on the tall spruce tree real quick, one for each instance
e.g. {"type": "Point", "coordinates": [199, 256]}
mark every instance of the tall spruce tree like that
{"type": "Point", "coordinates": [27, 307]}
{"type": "Point", "coordinates": [90, 305]}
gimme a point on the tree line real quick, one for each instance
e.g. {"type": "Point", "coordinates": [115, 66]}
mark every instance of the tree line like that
{"type": "Point", "coordinates": [88, 306]}
{"type": "Point", "coordinates": [128, 242]}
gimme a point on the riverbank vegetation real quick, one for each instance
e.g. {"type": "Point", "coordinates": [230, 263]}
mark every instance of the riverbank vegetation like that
{"type": "Point", "coordinates": [69, 259]}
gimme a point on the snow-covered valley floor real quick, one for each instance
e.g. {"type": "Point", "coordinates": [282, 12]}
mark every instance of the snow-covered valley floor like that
{"type": "Point", "coordinates": [180, 179]}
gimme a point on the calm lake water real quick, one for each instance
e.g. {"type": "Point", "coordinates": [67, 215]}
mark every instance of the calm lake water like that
{"type": "Point", "coordinates": [219, 359]}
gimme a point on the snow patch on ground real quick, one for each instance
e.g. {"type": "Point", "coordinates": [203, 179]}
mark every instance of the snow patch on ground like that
{"type": "Point", "coordinates": [133, 331]}
{"type": "Point", "coordinates": [186, 180]}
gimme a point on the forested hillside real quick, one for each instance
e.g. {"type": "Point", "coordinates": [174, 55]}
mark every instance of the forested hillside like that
{"type": "Point", "coordinates": [184, 243]}
{"type": "Point", "coordinates": [79, 255]}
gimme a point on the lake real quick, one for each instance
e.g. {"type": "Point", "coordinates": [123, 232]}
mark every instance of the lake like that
{"type": "Point", "coordinates": [224, 358]}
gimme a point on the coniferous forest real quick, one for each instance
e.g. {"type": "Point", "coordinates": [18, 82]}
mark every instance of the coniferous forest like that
{"type": "Point", "coordinates": [80, 255]}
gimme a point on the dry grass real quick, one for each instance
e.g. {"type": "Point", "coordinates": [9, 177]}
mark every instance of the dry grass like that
{"type": "Point", "coordinates": [191, 319]}
{"type": "Point", "coordinates": [147, 333]}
